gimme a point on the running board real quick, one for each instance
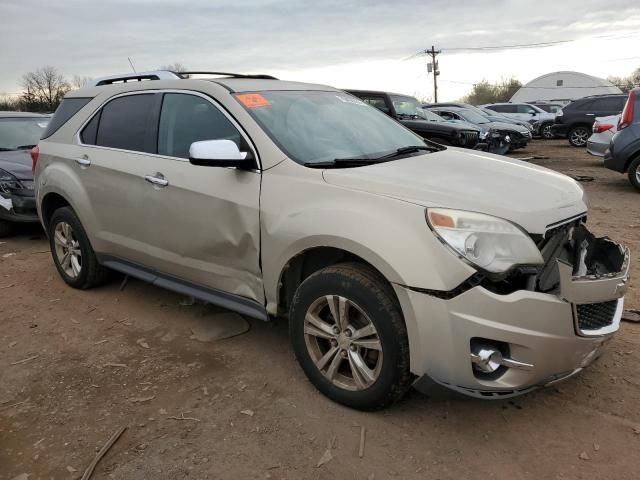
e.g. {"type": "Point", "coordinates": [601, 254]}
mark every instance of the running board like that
{"type": "Point", "coordinates": [241, 305]}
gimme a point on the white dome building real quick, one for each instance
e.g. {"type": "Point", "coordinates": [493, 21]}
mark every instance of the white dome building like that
{"type": "Point", "coordinates": [563, 87]}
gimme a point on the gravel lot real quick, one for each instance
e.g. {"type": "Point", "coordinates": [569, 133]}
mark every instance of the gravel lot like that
{"type": "Point", "coordinates": [75, 366]}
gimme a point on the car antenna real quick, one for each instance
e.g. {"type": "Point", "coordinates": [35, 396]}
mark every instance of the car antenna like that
{"type": "Point", "coordinates": [131, 63]}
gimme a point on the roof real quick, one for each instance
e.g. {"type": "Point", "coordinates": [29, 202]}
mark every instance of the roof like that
{"type": "Point", "coordinates": [563, 86]}
{"type": "Point", "coordinates": [7, 114]}
{"type": "Point", "coordinates": [376, 92]}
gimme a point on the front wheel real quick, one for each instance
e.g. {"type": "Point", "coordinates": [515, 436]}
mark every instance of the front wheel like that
{"type": "Point", "coordinates": [546, 131]}
{"type": "Point", "coordinates": [634, 173]}
{"type": "Point", "coordinates": [349, 336]}
{"type": "Point", "coordinates": [579, 135]}
{"type": "Point", "coordinates": [6, 228]}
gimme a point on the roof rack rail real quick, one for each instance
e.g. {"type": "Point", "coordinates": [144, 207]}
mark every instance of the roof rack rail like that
{"type": "Point", "coordinates": [136, 77]}
{"type": "Point", "coordinates": [260, 76]}
{"type": "Point", "coordinates": [168, 75]}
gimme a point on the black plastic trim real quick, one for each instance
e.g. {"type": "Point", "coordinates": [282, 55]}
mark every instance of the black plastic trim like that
{"type": "Point", "coordinates": [242, 305]}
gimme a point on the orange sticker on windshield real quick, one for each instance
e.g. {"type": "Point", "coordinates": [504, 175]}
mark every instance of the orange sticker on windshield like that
{"type": "Point", "coordinates": [253, 100]}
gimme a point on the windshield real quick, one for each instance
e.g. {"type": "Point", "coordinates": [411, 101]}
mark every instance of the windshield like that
{"type": "Point", "coordinates": [316, 126]}
{"type": "Point", "coordinates": [407, 107]}
{"type": "Point", "coordinates": [472, 116]}
{"type": "Point", "coordinates": [17, 133]}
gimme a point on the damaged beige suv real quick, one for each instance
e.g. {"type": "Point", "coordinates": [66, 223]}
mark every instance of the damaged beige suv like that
{"type": "Point", "coordinates": [397, 261]}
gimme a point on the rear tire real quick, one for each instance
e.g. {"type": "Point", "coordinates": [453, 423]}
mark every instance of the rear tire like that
{"type": "Point", "coordinates": [546, 132]}
{"type": "Point", "coordinates": [579, 135]}
{"type": "Point", "coordinates": [349, 336]}
{"type": "Point", "coordinates": [6, 228]}
{"type": "Point", "coordinates": [634, 173]}
{"type": "Point", "coordinates": [72, 252]}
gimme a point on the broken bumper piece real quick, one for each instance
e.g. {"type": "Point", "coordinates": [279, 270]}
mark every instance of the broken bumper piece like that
{"type": "Point", "coordinates": [492, 345]}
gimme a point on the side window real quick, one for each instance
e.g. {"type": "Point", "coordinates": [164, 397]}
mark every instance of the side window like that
{"type": "Point", "coordinates": [377, 102]}
{"type": "Point", "coordinates": [185, 119]}
{"type": "Point", "coordinates": [498, 108]}
{"type": "Point", "coordinates": [67, 109]}
{"type": "Point", "coordinates": [525, 109]}
{"type": "Point", "coordinates": [610, 104]}
{"type": "Point", "coordinates": [124, 122]}
{"type": "Point", "coordinates": [90, 131]}
{"type": "Point", "coordinates": [585, 106]}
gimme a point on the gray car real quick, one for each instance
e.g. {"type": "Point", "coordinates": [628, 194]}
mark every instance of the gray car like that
{"type": "Point", "coordinates": [623, 154]}
{"type": "Point", "coordinates": [19, 133]}
{"type": "Point", "coordinates": [397, 262]}
{"type": "Point", "coordinates": [604, 128]}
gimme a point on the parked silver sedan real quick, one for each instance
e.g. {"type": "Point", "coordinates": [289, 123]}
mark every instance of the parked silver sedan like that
{"type": "Point", "coordinates": [603, 130]}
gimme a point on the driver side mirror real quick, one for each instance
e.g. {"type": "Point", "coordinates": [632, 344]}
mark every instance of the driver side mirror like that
{"type": "Point", "coordinates": [219, 153]}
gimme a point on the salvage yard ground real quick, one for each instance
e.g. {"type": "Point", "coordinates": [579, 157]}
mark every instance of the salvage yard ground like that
{"type": "Point", "coordinates": [75, 366]}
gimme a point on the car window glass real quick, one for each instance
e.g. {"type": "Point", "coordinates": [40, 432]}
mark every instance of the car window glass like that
{"type": "Point", "coordinates": [607, 104]}
{"type": "Point", "coordinates": [586, 105]}
{"type": "Point", "coordinates": [525, 109]}
{"type": "Point", "coordinates": [124, 121]}
{"type": "Point", "coordinates": [20, 132]}
{"type": "Point", "coordinates": [185, 119]}
{"type": "Point", "coordinates": [374, 101]}
{"type": "Point", "coordinates": [67, 109]}
{"type": "Point", "coordinates": [90, 131]}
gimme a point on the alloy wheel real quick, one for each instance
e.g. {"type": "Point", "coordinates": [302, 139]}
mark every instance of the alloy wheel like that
{"type": "Point", "coordinates": [546, 131]}
{"type": "Point", "coordinates": [67, 250]}
{"type": "Point", "coordinates": [579, 136]}
{"type": "Point", "coordinates": [343, 343]}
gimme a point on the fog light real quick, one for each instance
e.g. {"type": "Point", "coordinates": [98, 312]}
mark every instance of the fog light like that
{"type": "Point", "coordinates": [486, 359]}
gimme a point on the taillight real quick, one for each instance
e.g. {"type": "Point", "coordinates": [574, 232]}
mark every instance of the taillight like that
{"type": "Point", "coordinates": [35, 151]}
{"type": "Point", "coordinates": [627, 114]}
{"type": "Point", "coordinates": [601, 127]}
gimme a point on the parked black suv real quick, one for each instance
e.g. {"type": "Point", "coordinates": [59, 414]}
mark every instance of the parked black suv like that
{"type": "Point", "coordinates": [623, 154]}
{"type": "Point", "coordinates": [576, 119]}
{"type": "Point", "coordinates": [408, 111]}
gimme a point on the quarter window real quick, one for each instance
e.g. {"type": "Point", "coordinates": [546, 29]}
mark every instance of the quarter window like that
{"type": "Point", "coordinates": [124, 123]}
{"type": "Point", "coordinates": [185, 119]}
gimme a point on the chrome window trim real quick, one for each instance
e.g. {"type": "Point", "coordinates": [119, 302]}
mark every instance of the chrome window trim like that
{"type": "Point", "coordinates": [213, 101]}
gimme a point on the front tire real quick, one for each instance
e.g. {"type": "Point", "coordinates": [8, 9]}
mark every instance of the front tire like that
{"type": "Point", "coordinates": [579, 135]}
{"type": "Point", "coordinates": [634, 173]}
{"type": "Point", "coordinates": [72, 253]}
{"type": "Point", "coordinates": [349, 336]}
{"type": "Point", "coordinates": [6, 228]}
{"type": "Point", "coordinates": [546, 131]}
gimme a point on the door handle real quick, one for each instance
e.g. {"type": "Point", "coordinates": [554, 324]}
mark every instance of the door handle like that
{"type": "Point", "coordinates": [83, 161]}
{"type": "Point", "coordinates": [157, 179]}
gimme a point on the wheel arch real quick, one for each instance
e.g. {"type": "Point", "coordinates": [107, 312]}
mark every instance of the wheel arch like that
{"type": "Point", "coordinates": [51, 202]}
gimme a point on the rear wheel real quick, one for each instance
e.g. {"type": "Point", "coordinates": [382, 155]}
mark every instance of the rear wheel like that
{"type": "Point", "coordinates": [349, 336]}
{"type": "Point", "coordinates": [546, 132]}
{"type": "Point", "coordinates": [72, 253]}
{"type": "Point", "coordinates": [634, 173]}
{"type": "Point", "coordinates": [579, 135]}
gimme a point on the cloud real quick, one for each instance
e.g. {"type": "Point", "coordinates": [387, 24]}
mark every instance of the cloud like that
{"type": "Point", "coordinates": [95, 38]}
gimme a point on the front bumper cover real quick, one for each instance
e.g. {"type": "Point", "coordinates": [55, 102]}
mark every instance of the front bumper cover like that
{"type": "Point", "coordinates": [540, 329]}
{"type": "Point", "coordinates": [23, 206]}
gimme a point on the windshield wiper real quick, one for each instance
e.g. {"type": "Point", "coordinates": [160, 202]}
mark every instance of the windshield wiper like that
{"type": "Point", "coordinates": [362, 161]}
{"type": "Point", "coordinates": [25, 147]}
{"type": "Point", "coordinates": [4, 149]}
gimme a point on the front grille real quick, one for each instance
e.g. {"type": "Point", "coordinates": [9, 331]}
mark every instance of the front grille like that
{"type": "Point", "coordinates": [468, 139]}
{"type": "Point", "coordinates": [594, 316]}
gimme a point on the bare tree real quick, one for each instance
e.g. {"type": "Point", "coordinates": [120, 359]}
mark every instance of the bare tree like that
{"type": "Point", "coordinates": [44, 88]}
{"type": "Point", "coordinates": [174, 67]}
{"type": "Point", "coordinates": [80, 82]}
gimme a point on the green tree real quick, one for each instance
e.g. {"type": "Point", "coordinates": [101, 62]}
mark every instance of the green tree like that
{"type": "Point", "coordinates": [485, 92]}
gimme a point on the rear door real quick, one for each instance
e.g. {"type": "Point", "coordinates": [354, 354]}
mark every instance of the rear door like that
{"type": "Point", "coordinates": [202, 223]}
{"type": "Point", "coordinates": [116, 146]}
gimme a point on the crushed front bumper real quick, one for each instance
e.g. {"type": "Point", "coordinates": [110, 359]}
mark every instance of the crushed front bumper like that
{"type": "Point", "coordinates": [22, 206]}
{"type": "Point", "coordinates": [555, 334]}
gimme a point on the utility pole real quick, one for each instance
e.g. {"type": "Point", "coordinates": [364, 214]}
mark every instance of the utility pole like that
{"type": "Point", "coordinates": [433, 67]}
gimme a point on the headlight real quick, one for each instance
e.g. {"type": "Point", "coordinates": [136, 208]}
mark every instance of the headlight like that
{"type": "Point", "coordinates": [490, 243]}
{"type": "Point", "coordinates": [8, 182]}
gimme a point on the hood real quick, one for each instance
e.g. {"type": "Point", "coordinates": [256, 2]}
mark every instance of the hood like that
{"type": "Point", "coordinates": [18, 163]}
{"type": "Point", "coordinates": [507, 126]}
{"type": "Point", "coordinates": [433, 126]}
{"type": "Point", "coordinates": [530, 196]}
{"type": "Point", "coordinates": [467, 125]}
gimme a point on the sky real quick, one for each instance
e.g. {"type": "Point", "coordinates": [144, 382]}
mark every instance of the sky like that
{"type": "Point", "coordinates": [365, 44]}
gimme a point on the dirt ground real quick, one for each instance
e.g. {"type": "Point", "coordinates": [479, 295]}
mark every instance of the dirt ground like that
{"type": "Point", "coordinates": [75, 366]}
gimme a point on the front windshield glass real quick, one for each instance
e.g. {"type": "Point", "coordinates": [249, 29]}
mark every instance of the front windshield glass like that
{"type": "Point", "coordinates": [317, 126]}
{"type": "Point", "coordinates": [408, 107]}
{"type": "Point", "coordinates": [471, 116]}
{"type": "Point", "coordinates": [21, 133]}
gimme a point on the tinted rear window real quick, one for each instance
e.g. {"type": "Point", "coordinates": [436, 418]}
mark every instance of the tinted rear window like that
{"type": "Point", "coordinates": [67, 109]}
{"type": "Point", "coordinates": [123, 122]}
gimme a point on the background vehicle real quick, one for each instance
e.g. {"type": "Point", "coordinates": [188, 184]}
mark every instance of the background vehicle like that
{"type": "Point", "coordinates": [603, 130]}
{"type": "Point", "coordinates": [576, 119]}
{"type": "Point", "coordinates": [407, 111]}
{"type": "Point", "coordinates": [623, 154]}
{"type": "Point", "coordinates": [490, 114]}
{"type": "Point", "coordinates": [527, 113]}
{"type": "Point", "coordinates": [391, 257]}
{"type": "Point", "coordinates": [548, 107]}
{"type": "Point", "coordinates": [19, 133]}
{"type": "Point", "coordinates": [517, 136]}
